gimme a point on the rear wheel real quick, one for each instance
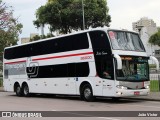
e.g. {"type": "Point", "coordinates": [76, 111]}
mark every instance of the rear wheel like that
{"type": "Point", "coordinates": [18, 90]}
{"type": "Point", "coordinates": [25, 90]}
{"type": "Point", "coordinates": [86, 93]}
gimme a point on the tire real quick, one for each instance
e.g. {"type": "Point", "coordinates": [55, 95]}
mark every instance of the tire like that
{"type": "Point", "coordinates": [18, 90]}
{"type": "Point", "coordinates": [25, 90]}
{"type": "Point", "coordinates": [87, 93]}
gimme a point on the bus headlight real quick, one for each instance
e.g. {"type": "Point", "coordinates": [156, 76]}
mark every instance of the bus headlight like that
{"type": "Point", "coordinates": [121, 87]}
{"type": "Point", "coordinates": [147, 87]}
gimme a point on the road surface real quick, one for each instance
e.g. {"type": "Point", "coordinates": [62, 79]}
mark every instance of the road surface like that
{"type": "Point", "coordinates": [68, 105]}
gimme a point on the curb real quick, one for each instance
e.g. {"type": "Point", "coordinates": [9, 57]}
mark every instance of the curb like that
{"type": "Point", "coordinates": [144, 99]}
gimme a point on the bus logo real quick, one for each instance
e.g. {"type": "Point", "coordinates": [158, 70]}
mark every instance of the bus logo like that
{"type": "Point", "coordinates": [32, 68]}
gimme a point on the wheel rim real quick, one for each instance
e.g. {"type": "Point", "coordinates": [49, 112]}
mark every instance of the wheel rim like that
{"type": "Point", "coordinates": [87, 93]}
{"type": "Point", "coordinates": [18, 90]}
{"type": "Point", "coordinates": [26, 90]}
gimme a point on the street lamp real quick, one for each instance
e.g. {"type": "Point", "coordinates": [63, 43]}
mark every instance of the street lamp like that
{"type": "Point", "coordinates": [83, 15]}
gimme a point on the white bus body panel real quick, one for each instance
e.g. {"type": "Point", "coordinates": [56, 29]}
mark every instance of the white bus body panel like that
{"type": "Point", "coordinates": [68, 85]}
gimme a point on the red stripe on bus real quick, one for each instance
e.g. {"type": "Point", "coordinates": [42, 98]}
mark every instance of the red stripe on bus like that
{"type": "Point", "coordinates": [142, 84]}
{"type": "Point", "coordinates": [53, 57]}
{"type": "Point", "coordinates": [62, 56]}
{"type": "Point", "coordinates": [15, 62]}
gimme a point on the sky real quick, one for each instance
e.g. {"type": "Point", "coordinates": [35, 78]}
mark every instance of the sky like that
{"type": "Point", "coordinates": [123, 13]}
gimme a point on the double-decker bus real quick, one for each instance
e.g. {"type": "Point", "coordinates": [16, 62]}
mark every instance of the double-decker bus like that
{"type": "Point", "coordinates": [90, 63]}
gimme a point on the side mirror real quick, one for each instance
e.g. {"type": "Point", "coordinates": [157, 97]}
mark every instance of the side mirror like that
{"type": "Point", "coordinates": [155, 61]}
{"type": "Point", "coordinates": [119, 61]}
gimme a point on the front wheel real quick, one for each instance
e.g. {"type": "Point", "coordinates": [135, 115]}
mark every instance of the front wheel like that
{"type": "Point", "coordinates": [25, 90]}
{"type": "Point", "coordinates": [86, 93]}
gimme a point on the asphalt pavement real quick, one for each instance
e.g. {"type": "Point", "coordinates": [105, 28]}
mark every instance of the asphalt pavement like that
{"type": "Point", "coordinates": [153, 96]}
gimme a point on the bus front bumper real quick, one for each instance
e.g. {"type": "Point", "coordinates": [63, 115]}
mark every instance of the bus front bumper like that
{"type": "Point", "coordinates": [127, 93]}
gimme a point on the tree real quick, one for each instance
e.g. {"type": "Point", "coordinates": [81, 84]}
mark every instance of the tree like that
{"type": "Point", "coordinates": [66, 15]}
{"type": "Point", "coordinates": [35, 38]}
{"type": "Point", "coordinates": [38, 37]}
{"type": "Point", "coordinates": [9, 28]}
{"type": "Point", "coordinates": [158, 29]}
{"type": "Point", "coordinates": [155, 38]}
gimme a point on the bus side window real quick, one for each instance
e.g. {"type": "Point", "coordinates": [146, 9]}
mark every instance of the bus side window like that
{"type": "Point", "coordinates": [78, 69]}
{"type": "Point", "coordinates": [82, 69]}
{"type": "Point", "coordinates": [6, 74]}
{"type": "Point", "coordinates": [107, 68]}
{"type": "Point", "coordinates": [71, 71]}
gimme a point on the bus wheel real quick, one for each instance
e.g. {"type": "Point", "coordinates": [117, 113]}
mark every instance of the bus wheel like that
{"type": "Point", "coordinates": [25, 90]}
{"type": "Point", "coordinates": [86, 93]}
{"type": "Point", "coordinates": [18, 90]}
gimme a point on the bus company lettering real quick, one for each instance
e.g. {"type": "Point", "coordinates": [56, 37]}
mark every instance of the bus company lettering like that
{"type": "Point", "coordinates": [101, 53]}
{"type": "Point", "coordinates": [16, 66]}
{"type": "Point", "coordinates": [86, 57]}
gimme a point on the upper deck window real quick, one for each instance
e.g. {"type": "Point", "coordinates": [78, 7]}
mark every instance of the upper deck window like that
{"type": "Point", "coordinates": [53, 45]}
{"type": "Point", "coordinates": [128, 41]}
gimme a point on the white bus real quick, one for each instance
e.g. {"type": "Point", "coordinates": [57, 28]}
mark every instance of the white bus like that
{"type": "Point", "coordinates": [91, 63]}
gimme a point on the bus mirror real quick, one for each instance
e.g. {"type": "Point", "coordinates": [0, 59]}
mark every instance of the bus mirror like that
{"type": "Point", "coordinates": [155, 61]}
{"type": "Point", "coordinates": [119, 61]}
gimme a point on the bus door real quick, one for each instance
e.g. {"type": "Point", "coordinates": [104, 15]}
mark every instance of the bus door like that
{"type": "Point", "coordinates": [107, 75]}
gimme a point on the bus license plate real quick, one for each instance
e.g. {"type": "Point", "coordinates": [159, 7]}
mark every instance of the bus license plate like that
{"type": "Point", "coordinates": [136, 93]}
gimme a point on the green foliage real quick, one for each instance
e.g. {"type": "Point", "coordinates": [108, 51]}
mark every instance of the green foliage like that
{"type": "Point", "coordinates": [152, 66]}
{"type": "Point", "coordinates": [66, 15]}
{"type": "Point", "coordinates": [154, 86]}
{"type": "Point", "coordinates": [1, 81]}
{"type": "Point", "coordinates": [158, 29]}
{"type": "Point", "coordinates": [35, 38]}
{"type": "Point", "coordinates": [38, 37]}
{"type": "Point", "coordinates": [155, 38]}
{"type": "Point", "coordinates": [9, 29]}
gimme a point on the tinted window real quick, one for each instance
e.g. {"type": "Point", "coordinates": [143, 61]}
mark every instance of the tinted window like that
{"type": "Point", "coordinates": [61, 70]}
{"type": "Point", "coordinates": [78, 69]}
{"type": "Point", "coordinates": [104, 66]}
{"type": "Point", "coordinates": [102, 54]}
{"type": "Point", "coordinates": [6, 74]}
{"type": "Point", "coordinates": [82, 69]}
{"type": "Point", "coordinates": [68, 43]}
{"type": "Point", "coordinates": [100, 40]}
{"type": "Point", "coordinates": [128, 41]}
{"type": "Point", "coordinates": [72, 69]}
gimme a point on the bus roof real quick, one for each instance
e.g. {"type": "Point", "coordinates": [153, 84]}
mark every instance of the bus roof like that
{"type": "Point", "coordinates": [74, 33]}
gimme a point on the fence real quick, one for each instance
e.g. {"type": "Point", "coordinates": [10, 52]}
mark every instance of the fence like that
{"type": "Point", "coordinates": [155, 83]}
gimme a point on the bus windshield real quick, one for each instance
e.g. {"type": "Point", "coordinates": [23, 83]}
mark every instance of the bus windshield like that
{"type": "Point", "coordinates": [122, 40]}
{"type": "Point", "coordinates": [133, 69]}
